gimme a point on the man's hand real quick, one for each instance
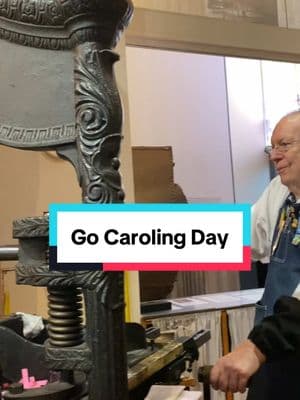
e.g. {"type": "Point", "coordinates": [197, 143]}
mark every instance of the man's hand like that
{"type": "Point", "coordinates": [232, 372]}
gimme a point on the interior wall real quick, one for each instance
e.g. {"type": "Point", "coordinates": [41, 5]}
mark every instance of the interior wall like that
{"type": "Point", "coordinates": [292, 13]}
{"type": "Point", "coordinates": [179, 99]}
{"type": "Point", "coordinates": [212, 116]}
{"type": "Point", "coordinates": [19, 179]}
{"type": "Point", "coordinates": [246, 121]}
{"type": "Point", "coordinates": [30, 183]}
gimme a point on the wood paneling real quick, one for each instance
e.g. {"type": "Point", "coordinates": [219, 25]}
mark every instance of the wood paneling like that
{"type": "Point", "coordinates": [281, 11]}
{"type": "Point", "coordinates": [258, 11]}
{"type": "Point", "coordinates": [293, 13]}
{"type": "Point", "coordinates": [192, 7]}
{"type": "Point", "coordinates": [173, 31]}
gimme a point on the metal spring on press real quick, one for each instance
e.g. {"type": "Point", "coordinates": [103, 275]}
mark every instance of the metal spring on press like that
{"type": "Point", "coordinates": [65, 317]}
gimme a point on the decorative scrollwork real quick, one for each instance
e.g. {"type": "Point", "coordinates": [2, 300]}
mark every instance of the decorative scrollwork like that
{"type": "Point", "coordinates": [31, 227]}
{"type": "Point", "coordinates": [40, 12]}
{"type": "Point", "coordinates": [40, 275]}
{"type": "Point", "coordinates": [62, 24]}
{"type": "Point", "coordinates": [98, 120]}
{"type": "Point", "coordinates": [31, 40]}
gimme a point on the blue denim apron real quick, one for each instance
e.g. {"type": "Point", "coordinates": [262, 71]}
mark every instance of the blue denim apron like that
{"type": "Point", "coordinates": [279, 380]}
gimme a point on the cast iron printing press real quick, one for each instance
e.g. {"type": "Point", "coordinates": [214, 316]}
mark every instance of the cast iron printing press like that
{"type": "Point", "coordinates": [89, 361]}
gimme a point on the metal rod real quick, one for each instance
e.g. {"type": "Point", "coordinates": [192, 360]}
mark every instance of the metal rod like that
{"type": "Point", "coordinates": [9, 252]}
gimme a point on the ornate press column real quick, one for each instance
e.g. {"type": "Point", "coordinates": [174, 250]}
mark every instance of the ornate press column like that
{"type": "Point", "coordinates": [98, 133]}
{"type": "Point", "coordinates": [91, 29]}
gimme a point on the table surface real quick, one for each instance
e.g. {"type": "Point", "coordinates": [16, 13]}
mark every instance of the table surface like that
{"type": "Point", "coordinates": [207, 302]}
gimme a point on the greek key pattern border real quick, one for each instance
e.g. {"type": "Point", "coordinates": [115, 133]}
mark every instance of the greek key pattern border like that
{"type": "Point", "coordinates": [14, 136]}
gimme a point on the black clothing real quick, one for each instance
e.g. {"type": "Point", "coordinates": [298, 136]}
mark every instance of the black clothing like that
{"type": "Point", "coordinates": [278, 337]}
{"type": "Point", "coordinates": [277, 380]}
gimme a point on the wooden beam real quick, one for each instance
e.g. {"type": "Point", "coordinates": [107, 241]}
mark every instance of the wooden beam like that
{"type": "Point", "coordinates": [189, 33]}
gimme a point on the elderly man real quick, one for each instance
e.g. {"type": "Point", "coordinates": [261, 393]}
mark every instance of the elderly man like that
{"type": "Point", "coordinates": [276, 239]}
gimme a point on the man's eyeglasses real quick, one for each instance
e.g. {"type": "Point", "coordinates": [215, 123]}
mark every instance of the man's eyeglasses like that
{"type": "Point", "coordinates": [282, 147]}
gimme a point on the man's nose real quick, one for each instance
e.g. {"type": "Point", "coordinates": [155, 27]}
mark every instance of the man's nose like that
{"type": "Point", "coordinates": [275, 155]}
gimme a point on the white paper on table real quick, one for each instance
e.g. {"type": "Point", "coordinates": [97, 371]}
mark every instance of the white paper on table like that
{"type": "Point", "coordinates": [164, 392]}
{"type": "Point", "coordinates": [190, 395]}
{"type": "Point", "coordinates": [172, 392]}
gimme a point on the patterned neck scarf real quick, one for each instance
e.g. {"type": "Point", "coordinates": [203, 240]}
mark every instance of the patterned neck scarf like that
{"type": "Point", "coordinates": [289, 219]}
